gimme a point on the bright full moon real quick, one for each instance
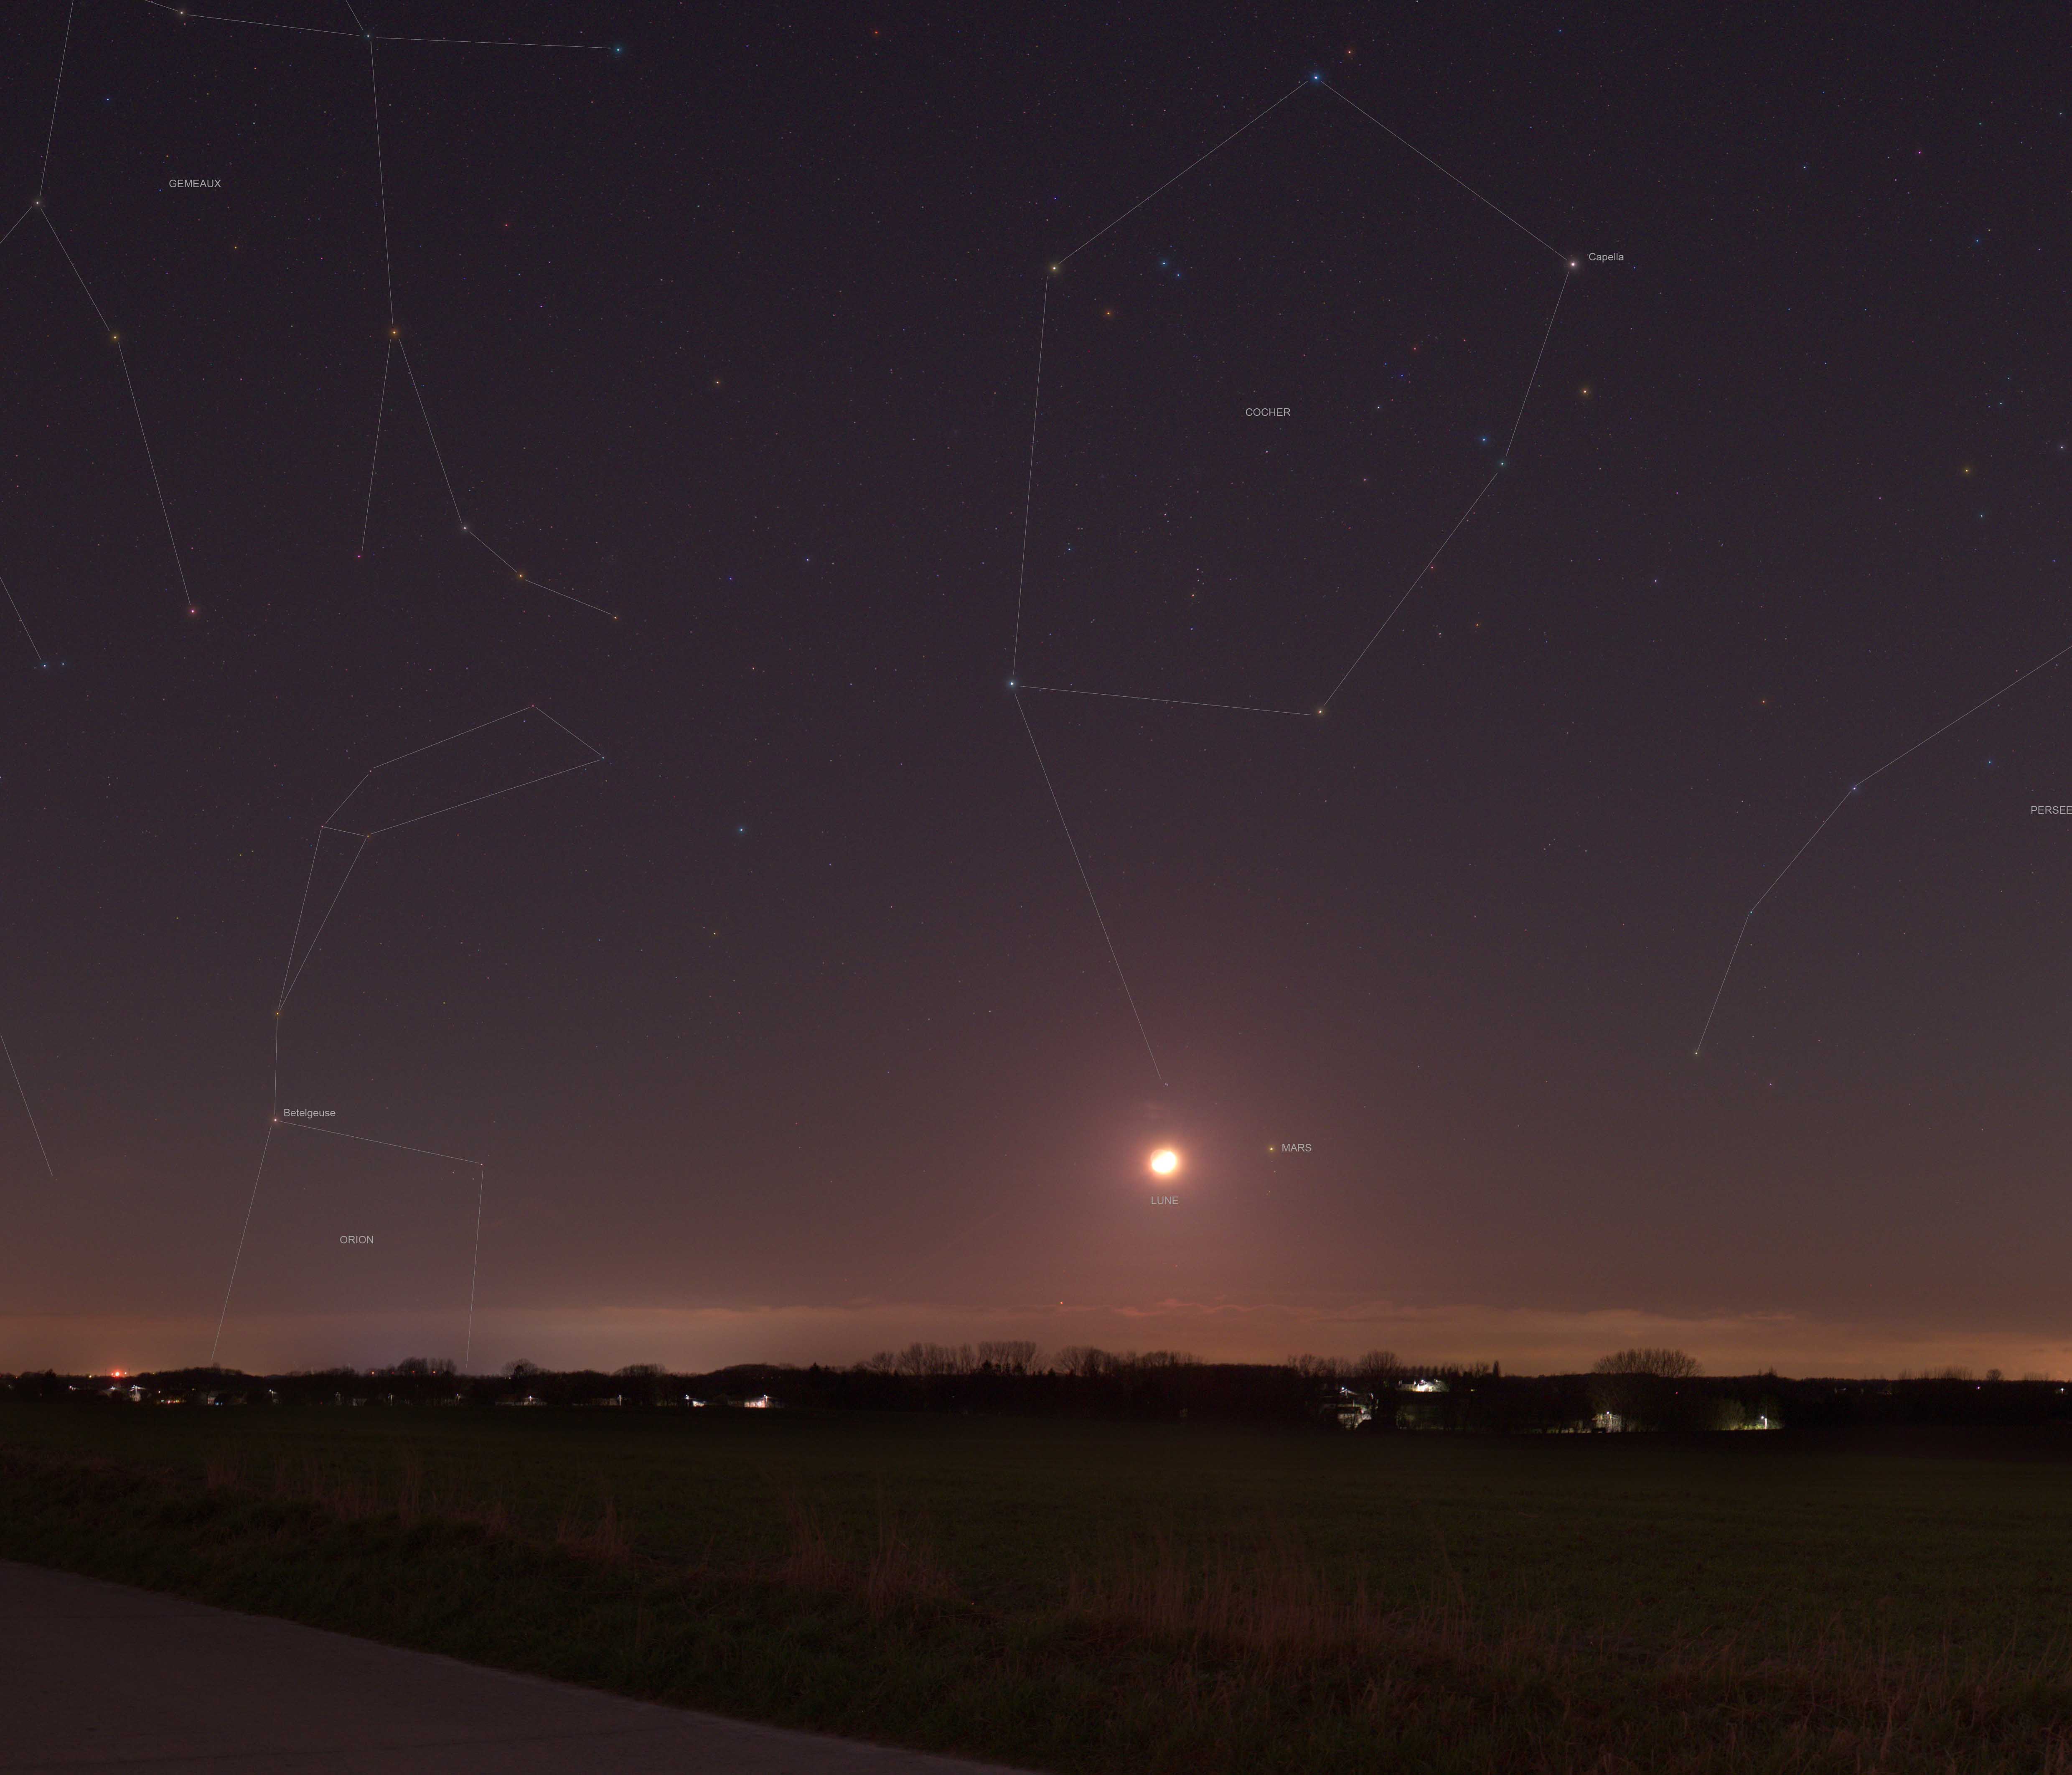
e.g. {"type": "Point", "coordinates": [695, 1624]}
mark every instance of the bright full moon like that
{"type": "Point", "coordinates": [1165, 1161]}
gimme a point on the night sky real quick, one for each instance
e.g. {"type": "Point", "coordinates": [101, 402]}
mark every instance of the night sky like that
{"type": "Point", "coordinates": [788, 1030]}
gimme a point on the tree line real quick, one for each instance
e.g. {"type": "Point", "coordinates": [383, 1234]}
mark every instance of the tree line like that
{"type": "Point", "coordinates": [1640, 1390]}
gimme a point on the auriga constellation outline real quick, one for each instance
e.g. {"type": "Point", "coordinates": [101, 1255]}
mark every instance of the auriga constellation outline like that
{"type": "Point", "coordinates": [396, 347]}
{"type": "Point", "coordinates": [292, 971]}
{"type": "Point", "coordinates": [1017, 685]}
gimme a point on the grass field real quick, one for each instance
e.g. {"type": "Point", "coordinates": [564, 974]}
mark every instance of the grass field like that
{"type": "Point", "coordinates": [1075, 1595]}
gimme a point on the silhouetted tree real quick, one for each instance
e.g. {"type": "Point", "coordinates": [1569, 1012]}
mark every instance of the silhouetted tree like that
{"type": "Point", "coordinates": [930, 1359]}
{"type": "Point", "coordinates": [1011, 1356]}
{"type": "Point", "coordinates": [1664, 1364]}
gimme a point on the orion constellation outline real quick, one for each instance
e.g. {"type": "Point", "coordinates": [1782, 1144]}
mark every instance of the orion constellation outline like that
{"type": "Point", "coordinates": [291, 975]}
{"type": "Point", "coordinates": [395, 346]}
{"type": "Point", "coordinates": [1849, 795]}
{"type": "Point", "coordinates": [1016, 685]}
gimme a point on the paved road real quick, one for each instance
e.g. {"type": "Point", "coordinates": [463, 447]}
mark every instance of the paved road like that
{"type": "Point", "coordinates": [96, 1676]}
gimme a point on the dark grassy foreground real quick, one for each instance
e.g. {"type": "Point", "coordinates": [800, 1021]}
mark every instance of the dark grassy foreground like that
{"type": "Point", "coordinates": [1131, 1597]}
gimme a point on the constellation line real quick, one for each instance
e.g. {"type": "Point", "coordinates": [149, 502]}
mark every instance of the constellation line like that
{"type": "Point", "coordinates": [330, 30]}
{"type": "Point", "coordinates": [374, 460]}
{"type": "Point", "coordinates": [150, 462]}
{"type": "Point", "coordinates": [324, 824]}
{"type": "Point", "coordinates": [395, 343]}
{"type": "Point", "coordinates": [19, 221]}
{"type": "Point", "coordinates": [84, 289]}
{"type": "Point", "coordinates": [294, 941]}
{"type": "Point", "coordinates": [242, 1234]}
{"type": "Point", "coordinates": [415, 752]}
{"type": "Point", "coordinates": [1412, 587]}
{"type": "Point", "coordinates": [292, 973]}
{"type": "Point", "coordinates": [1518, 421]}
{"type": "Point", "coordinates": [1503, 463]}
{"type": "Point", "coordinates": [1854, 789]}
{"type": "Point", "coordinates": [1429, 162]}
{"type": "Point", "coordinates": [312, 950]}
{"type": "Point", "coordinates": [144, 435]}
{"type": "Point", "coordinates": [381, 174]}
{"type": "Point", "coordinates": [588, 764]}
{"type": "Point", "coordinates": [1183, 172]}
{"type": "Point", "coordinates": [410, 371]}
{"type": "Point", "coordinates": [1029, 488]}
{"type": "Point", "coordinates": [57, 92]}
{"type": "Point", "coordinates": [468, 530]}
{"type": "Point", "coordinates": [1538, 358]}
{"type": "Point", "coordinates": [368, 1140]}
{"type": "Point", "coordinates": [24, 622]}
{"type": "Point", "coordinates": [30, 1113]}
{"type": "Point", "coordinates": [1015, 686]}
{"type": "Point", "coordinates": [518, 573]}
{"type": "Point", "coordinates": [263, 24]}
{"type": "Point", "coordinates": [494, 721]}
{"type": "Point", "coordinates": [1087, 882]}
{"type": "Point", "coordinates": [534, 708]}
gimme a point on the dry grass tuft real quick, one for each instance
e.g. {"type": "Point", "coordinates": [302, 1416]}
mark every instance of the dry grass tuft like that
{"type": "Point", "coordinates": [1276, 1602]}
{"type": "Point", "coordinates": [607, 1538]}
{"type": "Point", "coordinates": [901, 1571]}
{"type": "Point", "coordinates": [1275, 1617]}
{"type": "Point", "coordinates": [811, 1563]}
{"type": "Point", "coordinates": [410, 1490]}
